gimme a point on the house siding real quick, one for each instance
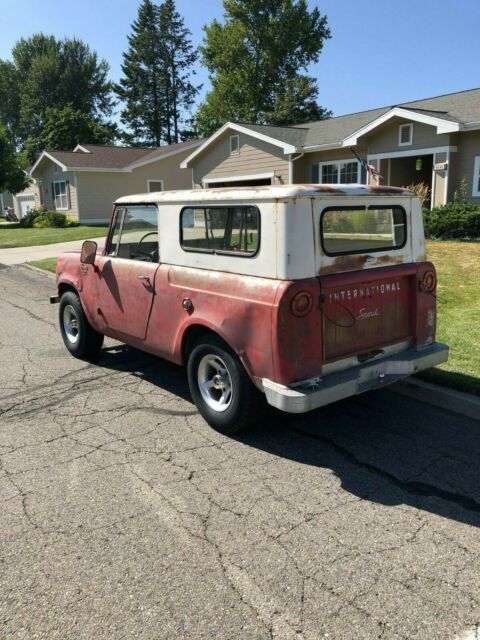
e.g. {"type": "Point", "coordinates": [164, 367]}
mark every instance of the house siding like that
{"type": "Point", "coordinates": [302, 168]}
{"type": "Point", "coordinates": [384, 139]}
{"type": "Point", "coordinates": [255, 157]}
{"type": "Point", "coordinates": [462, 163]}
{"type": "Point", "coordinates": [46, 176]}
{"type": "Point", "coordinates": [97, 190]}
{"type": "Point", "coordinates": [31, 190]}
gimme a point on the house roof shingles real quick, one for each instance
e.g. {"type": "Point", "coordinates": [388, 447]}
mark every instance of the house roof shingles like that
{"type": "Point", "coordinates": [105, 157]}
{"type": "Point", "coordinates": [459, 107]}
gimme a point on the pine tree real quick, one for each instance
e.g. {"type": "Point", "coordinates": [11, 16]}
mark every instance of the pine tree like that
{"type": "Point", "coordinates": [156, 86]}
{"type": "Point", "coordinates": [141, 85]}
{"type": "Point", "coordinates": [178, 57]}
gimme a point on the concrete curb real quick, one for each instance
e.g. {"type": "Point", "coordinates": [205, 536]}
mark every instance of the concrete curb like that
{"type": "Point", "coordinates": [442, 397]}
{"type": "Point", "coordinates": [30, 267]}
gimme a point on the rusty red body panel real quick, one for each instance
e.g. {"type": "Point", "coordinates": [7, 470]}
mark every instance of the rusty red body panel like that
{"type": "Point", "coordinates": [362, 305]}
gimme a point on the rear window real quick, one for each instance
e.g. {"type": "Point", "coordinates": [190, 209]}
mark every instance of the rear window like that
{"type": "Point", "coordinates": [233, 230]}
{"type": "Point", "coordinates": [346, 230]}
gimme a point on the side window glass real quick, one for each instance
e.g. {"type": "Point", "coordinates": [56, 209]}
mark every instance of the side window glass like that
{"type": "Point", "coordinates": [138, 234]}
{"type": "Point", "coordinates": [234, 230]}
{"type": "Point", "coordinates": [115, 237]}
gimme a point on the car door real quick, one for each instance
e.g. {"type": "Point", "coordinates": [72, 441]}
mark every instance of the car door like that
{"type": "Point", "coordinates": [125, 274]}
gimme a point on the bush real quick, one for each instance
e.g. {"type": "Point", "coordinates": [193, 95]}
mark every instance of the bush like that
{"type": "Point", "coordinates": [32, 215]}
{"type": "Point", "coordinates": [50, 219]}
{"type": "Point", "coordinates": [453, 221]}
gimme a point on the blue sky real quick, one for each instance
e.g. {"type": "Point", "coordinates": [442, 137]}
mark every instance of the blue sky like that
{"type": "Point", "coordinates": [381, 53]}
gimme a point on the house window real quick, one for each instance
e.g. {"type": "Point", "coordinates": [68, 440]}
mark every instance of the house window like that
{"type": "Point", "coordinates": [154, 185]}
{"type": "Point", "coordinates": [340, 172]}
{"type": "Point", "coordinates": [476, 178]}
{"type": "Point", "coordinates": [405, 134]}
{"type": "Point", "coordinates": [60, 198]}
{"type": "Point", "coordinates": [234, 145]}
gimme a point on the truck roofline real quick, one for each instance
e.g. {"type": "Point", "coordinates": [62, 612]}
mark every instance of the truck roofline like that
{"type": "Point", "coordinates": [266, 193]}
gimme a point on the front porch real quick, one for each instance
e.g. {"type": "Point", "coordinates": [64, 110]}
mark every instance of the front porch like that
{"type": "Point", "coordinates": [427, 166]}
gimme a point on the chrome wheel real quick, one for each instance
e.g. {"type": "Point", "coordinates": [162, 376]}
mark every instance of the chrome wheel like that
{"type": "Point", "coordinates": [70, 324]}
{"type": "Point", "coordinates": [214, 382]}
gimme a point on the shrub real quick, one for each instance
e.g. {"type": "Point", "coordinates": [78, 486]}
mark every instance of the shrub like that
{"type": "Point", "coordinates": [453, 221]}
{"type": "Point", "coordinates": [32, 215]}
{"type": "Point", "coordinates": [421, 190]}
{"type": "Point", "coordinates": [50, 219]}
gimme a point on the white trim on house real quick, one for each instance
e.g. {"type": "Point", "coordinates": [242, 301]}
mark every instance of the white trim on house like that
{"type": "Point", "coordinates": [141, 163]}
{"type": "Point", "coordinates": [476, 178]}
{"type": "Point", "coordinates": [80, 148]}
{"type": "Point", "coordinates": [338, 163]}
{"type": "Point", "coordinates": [235, 152]}
{"type": "Point", "coordinates": [442, 125]}
{"type": "Point", "coordinates": [45, 154]}
{"type": "Point", "coordinates": [411, 152]}
{"type": "Point", "coordinates": [252, 176]}
{"type": "Point", "coordinates": [401, 128]}
{"type": "Point", "coordinates": [287, 148]}
{"type": "Point", "coordinates": [154, 180]}
{"type": "Point", "coordinates": [60, 195]}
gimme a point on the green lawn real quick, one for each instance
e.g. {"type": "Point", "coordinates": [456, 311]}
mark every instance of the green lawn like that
{"type": "Point", "coordinates": [458, 311]}
{"type": "Point", "coordinates": [15, 236]}
{"type": "Point", "coordinates": [48, 264]}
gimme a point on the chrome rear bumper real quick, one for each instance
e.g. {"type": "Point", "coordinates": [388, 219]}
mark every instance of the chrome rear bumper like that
{"type": "Point", "coordinates": [336, 386]}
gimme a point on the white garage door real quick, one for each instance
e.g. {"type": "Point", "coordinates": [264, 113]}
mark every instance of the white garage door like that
{"type": "Point", "coordinates": [26, 203]}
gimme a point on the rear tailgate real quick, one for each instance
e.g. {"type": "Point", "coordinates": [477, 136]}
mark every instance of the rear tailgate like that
{"type": "Point", "coordinates": [363, 311]}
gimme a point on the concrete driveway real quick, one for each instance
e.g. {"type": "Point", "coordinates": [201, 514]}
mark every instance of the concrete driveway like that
{"type": "Point", "coordinates": [124, 516]}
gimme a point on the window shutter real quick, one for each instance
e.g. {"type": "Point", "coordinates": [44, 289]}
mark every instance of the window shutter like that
{"type": "Point", "coordinates": [67, 192]}
{"type": "Point", "coordinates": [315, 174]}
{"type": "Point", "coordinates": [53, 196]}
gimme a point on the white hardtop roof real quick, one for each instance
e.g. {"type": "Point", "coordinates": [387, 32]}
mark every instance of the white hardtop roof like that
{"type": "Point", "coordinates": [265, 193]}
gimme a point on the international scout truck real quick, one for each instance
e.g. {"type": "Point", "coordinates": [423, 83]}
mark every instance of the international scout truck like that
{"type": "Point", "coordinates": [305, 293]}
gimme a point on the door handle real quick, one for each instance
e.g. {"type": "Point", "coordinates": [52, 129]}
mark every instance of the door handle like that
{"type": "Point", "coordinates": [141, 277]}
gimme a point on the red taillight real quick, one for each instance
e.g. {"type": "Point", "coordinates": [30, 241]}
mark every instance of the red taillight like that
{"type": "Point", "coordinates": [301, 304]}
{"type": "Point", "coordinates": [429, 281]}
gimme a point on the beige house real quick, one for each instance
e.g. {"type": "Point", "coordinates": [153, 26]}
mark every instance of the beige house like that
{"type": "Point", "coordinates": [83, 183]}
{"type": "Point", "coordinates": [435, 141]}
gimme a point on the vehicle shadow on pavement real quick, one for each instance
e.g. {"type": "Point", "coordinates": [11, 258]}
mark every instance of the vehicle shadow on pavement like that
{"type": "Point", "coordinates": [383, 447]}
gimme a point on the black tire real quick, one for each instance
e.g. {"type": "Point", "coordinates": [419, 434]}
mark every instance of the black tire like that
{"type": "Point", "coordinates": [78, 336]}
{"type": "Point", "coordinates": [246, 401]}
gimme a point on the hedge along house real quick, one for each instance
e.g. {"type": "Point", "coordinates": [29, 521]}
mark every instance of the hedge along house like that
{"type": "Point", "coordinates": [435, 141]}
{"type": "Point", "coordinates": [83, 183]}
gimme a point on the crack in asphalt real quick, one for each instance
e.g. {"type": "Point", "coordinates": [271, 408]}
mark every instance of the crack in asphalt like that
{"type": "Point", "coordinates": [412, 487]}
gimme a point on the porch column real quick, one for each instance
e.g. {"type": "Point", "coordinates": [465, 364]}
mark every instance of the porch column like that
{"type": "Point", "coordinates": [440, 178]}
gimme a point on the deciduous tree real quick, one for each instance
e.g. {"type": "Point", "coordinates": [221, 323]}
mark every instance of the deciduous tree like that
{"type": "Point", "coordinates": [12, 177]}
{"type": "Point", "coordinates": [255, 59]}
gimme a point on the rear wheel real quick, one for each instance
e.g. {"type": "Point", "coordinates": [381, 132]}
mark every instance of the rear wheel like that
{"type": "Point", "coordinates": [221, 388]}
{"type": "Point", "coordinates": [78, 335]}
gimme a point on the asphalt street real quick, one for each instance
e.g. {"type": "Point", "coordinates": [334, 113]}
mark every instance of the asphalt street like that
{"type": "Point", "coordinates": [124, 516]}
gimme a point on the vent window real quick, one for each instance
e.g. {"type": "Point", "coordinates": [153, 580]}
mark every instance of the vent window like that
{"type": "Point", "coordinates": [154, 185]}
{"type": "Point", "coordinates": [405, 134]}
{"type": "Point", "coordinates": [234, 145]}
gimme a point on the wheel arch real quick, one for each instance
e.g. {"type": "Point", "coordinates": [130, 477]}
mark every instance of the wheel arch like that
{"type": "Point", "coordinates": [194, 332]}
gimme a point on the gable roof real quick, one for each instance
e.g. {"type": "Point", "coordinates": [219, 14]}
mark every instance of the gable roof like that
{"type": "Point", "coordinates": [92, 157]}
{"type": "Point", "coordinates": [452, 112]}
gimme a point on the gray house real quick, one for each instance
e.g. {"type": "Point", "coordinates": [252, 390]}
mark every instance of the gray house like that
{"type": "Point", "coordinates": [435, 141]}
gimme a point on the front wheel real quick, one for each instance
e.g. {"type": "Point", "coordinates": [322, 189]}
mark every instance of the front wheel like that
{"type": "Point", "coordinates": [78, 335]}
{"type": "Point", "coordinates": [220, 387]}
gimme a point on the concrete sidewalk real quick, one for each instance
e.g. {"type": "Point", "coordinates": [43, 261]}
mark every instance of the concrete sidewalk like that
{"type": "Point", "coordinates": [19, 255]}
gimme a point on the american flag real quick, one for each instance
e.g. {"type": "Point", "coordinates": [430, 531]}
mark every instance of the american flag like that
{"type": "Point", "coordinates": [369, 168]}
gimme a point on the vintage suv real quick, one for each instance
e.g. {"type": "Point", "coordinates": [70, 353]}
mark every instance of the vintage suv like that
{"type": "Point", "coordinates": [307, 293]}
